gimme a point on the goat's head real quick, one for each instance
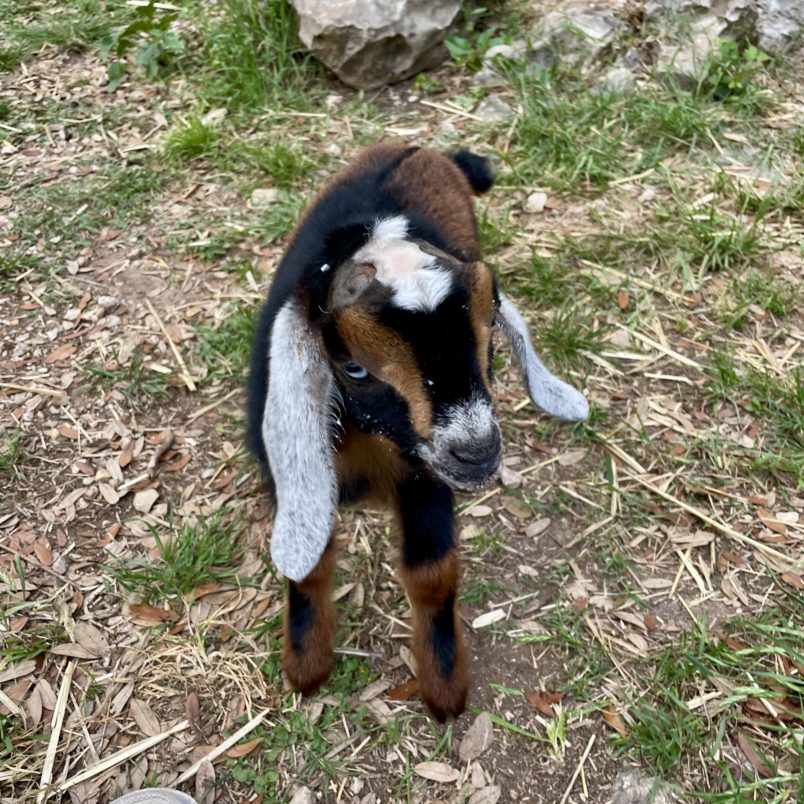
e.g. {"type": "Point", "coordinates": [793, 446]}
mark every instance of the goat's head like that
{"type": "Point", "coordinates": [409, 331]}
{"type": "Point", "coordinates": [402, 346]}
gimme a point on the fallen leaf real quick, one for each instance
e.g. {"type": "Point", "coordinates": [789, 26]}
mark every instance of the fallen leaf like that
{"type": "Point", "coordinates": [91, 638]}
{"type": "Point", "coordinates": [44, 552]}
{"type": "Point", "coordinates": [144, 717]}
{"type": "Point", "coordinates": [479, 736]}
{"type": "Point", "coordinates": [537, 527]}
{"type": "Point", "coordinates": [148, 615]}
{"type": "Point", "coordinates": [487, 795]}
{"type": "Point", "coordinates": [374, 689]}
{"type": "Point", "coordinates": [437, 772]}
{"type": "Point", "coordinates": [192, 708]}
{"type": "Point", "coordinates": [73, 650]}
{"type": "Point", "coordinates": [404, 691]}
{"type": "Point", "coordinates": [770, 522]}
{"type": "Point", "coordinates": [793, 579]}
{"type": "Point", "coordinates": [615, 721]}
{"type": "Point", "coordinates": [543, 701]}
{"type": "Point", "coordinates": [752, 755]}
{"type": "Point", "coordinates": [243, 749]}
{"type": "Point", "coordinates": [479, 511]}
{"type": "Point", "coordinates": [622, 299]}
{"type": "Point", "coordinates": [62, 353]}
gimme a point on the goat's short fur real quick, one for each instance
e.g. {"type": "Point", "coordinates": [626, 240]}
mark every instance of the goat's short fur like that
{"type": "Point", "coordinates": [371, 378]}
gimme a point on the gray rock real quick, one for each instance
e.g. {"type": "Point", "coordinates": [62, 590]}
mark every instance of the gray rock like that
{"type": "Point", "coordinates": [780, 23]}
{"type": "Point", "coordinates": [577, 32]}
{"type": "Point", "coordinates": [368, 43]}
{"type": "Point", "coordinates": [616, 79]}
{"type": "Point", "coordinates": [263, 197]}
{"type": "Point", "coordinates": [493, 109]}
{"type": "Point", "coordinates": [774, 23]}
{"type": "Point", "coordinates": [631, 787]}
{"type": "Point", "coordinates": [535, 203]}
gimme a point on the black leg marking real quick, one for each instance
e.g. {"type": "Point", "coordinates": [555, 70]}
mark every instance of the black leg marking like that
{"type": "Point", "coordinates": [425, 507]}
{"type": "Point", "coordinates": [443, 636]}
{"type": "Point", "coordinates": [300, 611]}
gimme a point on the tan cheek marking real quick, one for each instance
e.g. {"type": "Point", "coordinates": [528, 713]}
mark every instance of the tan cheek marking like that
{"type": "Point", "coordinates": [480, 308]}
{"type": "Point", "coordinates": [386, 355]}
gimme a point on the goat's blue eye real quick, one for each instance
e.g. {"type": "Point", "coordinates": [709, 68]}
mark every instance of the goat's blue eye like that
{"type": "Point", "coordinates": [354, 371]}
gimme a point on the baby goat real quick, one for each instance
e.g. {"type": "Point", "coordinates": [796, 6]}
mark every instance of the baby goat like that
{"type": "Point", "coordinates": [371, 379]}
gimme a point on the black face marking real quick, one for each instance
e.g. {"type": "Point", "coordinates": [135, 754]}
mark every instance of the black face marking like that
{"type": "Point", "coordinates": [377, 409]}
{"type": "Point", "coordinates": [300, 614]}
{"type": "Point", "coordinates": [425, 507]}
{"type": "Point", "coordinates": [444, 344]}
{"type": "Point", "coordinates": [442, 637]}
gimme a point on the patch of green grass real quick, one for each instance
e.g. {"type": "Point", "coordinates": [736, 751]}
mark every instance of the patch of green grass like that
{"type": "Point", "coordinates": [224, 347]}
{"type": "Point", "coordinates": [753, 658]}
{"type": "Point", "coordinates": [68, 213]}
{"type": "Point", "coordinates": [776, 402]}
{"type": "Point", "coordinates": [733, 75]}
{"type": "Point", "coordinates": [475, 32]}
{"type": "Point", "coordinates": [190, 140]}
{"type": "Point", "coordinates": [777, 296]}
{"type": "Point", "coordinates": [568, 334]}
{"type": "Point", "coordinates": [253, 60]}
{"type": "Point", "coordinates": [574, 140]}
{"type": "Point", "coordinates": [71, 27]}
{"type": "Point", "coordinates": [279, 218]}
{"type": "Point", "coordinates": [196, 554]}
{"type": "Point", "coordinates": [494, 229]}
{"type": "Point", "coordinates": [135, 381]}
{"type": "Point", "coordinates": [292, 734]}
{"type": "Point", "coordinates": [284, 164]}
{"type": "Point", "coordinates": [10, 451]}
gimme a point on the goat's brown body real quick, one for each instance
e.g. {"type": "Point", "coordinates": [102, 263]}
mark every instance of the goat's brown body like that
{"type": "Point", "coordinates": [377, 338]}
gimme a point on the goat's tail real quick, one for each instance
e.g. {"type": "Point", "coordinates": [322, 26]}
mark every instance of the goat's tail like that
{"type": "Point", "coordinates": [478, 169]}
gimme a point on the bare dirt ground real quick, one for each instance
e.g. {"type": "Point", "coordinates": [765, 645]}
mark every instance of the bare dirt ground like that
{"type": "Point", "coordinates": [616, 567]}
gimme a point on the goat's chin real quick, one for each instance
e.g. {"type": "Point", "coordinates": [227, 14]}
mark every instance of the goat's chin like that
{"type": "Point", "coordinates": [462, 482]}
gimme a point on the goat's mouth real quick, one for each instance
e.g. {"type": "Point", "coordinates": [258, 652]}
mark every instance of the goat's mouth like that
{"type": "Point", "coordinates": [462, 474]}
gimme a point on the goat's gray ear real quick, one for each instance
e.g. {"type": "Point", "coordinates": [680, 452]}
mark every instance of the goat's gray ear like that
{"type": "Point", "coordinates": [297, 432]}
{"type": "Point", "coordinates": [549, 393]}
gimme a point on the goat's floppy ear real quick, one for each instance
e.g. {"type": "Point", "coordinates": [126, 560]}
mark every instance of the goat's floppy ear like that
{"type": "Point", "coordinates": [549, 393]}
{"type": "Point", "coordinates": [297, 432]}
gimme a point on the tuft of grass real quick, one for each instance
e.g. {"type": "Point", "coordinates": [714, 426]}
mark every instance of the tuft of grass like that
{"type": "Point", "coordinates": [192, 139]}
{"type": "Point", "coordinates": [777, 296]}
{"type": "Point", "coordinates": [224, 348]}
{"type": "Point", "coordinates": [253, 59]}
{"type": "Point", "coordinates": [754, 658]}
{"type": "Point", "coordinates": [10, 452]}
{"type": "Point", "coordinates": [135, 381]}
{"type": "Point", "coordinates": [199, 553]}
{"type": "Point", "coordinates": [568, 334]}
{"type": "Point", "coordinates": [291, 730]}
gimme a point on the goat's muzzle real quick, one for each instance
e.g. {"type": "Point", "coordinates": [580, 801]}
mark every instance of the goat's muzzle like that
{"type": "Point", "coordinates": [465, 449]}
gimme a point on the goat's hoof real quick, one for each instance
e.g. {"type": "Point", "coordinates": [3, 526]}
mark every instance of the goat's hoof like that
{"type": "Point", "coordinates": [443, 699]}
{"type": "Point", "coordinates": [308, 670]}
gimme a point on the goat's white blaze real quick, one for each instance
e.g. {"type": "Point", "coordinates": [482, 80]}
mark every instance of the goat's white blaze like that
{"type": "Point", "coordinates": [414, 276]}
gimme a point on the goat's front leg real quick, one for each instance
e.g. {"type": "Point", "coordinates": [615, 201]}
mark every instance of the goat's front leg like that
{"type": "Point", "coordinates": [310, 627]}
{"type": "Point", "coordinates": [430, 575]}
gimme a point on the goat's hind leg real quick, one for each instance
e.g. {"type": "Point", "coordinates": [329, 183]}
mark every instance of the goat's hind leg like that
{"type": "Point", "coordinates": [430, 575]}
{"type": "Point", "coordinates": [310, 627]}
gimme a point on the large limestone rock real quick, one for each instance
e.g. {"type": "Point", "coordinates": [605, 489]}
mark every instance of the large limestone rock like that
{"type": "Point", "coordinates": [577, 31]}
{"type": "Point", "coordinates": [368, 43]}
{"type": "Point", "coordinates": [774, 23]}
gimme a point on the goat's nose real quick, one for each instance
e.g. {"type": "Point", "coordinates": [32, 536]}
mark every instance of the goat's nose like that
{"type": "Point", "coordinates": [479, 452]}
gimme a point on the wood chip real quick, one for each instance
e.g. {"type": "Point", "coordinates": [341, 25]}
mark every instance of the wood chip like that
{"type": "Point", "coordinates": [488, 618]}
